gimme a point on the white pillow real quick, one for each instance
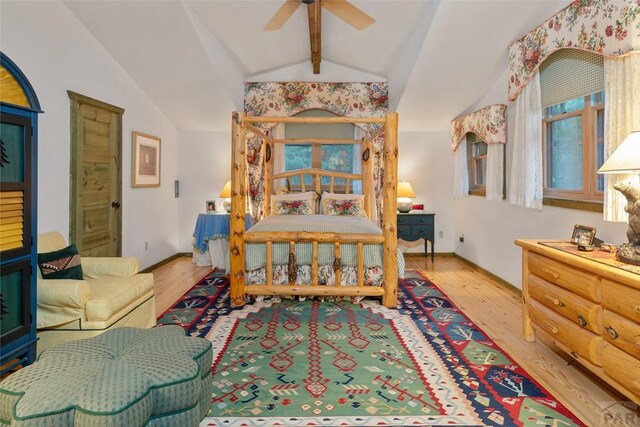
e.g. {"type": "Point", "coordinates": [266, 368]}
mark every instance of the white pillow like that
{"type": "Point", "coordinates": [307, 195]}
{"type": "Point", "coordinates": [339, 196]}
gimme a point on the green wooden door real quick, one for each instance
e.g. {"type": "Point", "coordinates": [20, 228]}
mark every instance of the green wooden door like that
{"type": "Point", "coordinates": [96, 177]}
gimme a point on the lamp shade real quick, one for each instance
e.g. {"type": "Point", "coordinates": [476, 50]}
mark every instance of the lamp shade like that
{"type": "Point", "coordinates": [226, 190]}
{"type": "Point", "coordinates": [405, 190]}
{"type": "Point", "coordinates": [625, 158]}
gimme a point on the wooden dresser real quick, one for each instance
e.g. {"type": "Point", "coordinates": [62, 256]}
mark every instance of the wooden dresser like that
{"type": "Point", "coordinates": [588, 308]}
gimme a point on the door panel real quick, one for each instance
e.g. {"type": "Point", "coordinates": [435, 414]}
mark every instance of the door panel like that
{"type": "Point", "coordinates": [96, 177]}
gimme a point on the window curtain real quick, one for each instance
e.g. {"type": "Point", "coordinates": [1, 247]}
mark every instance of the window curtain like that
{"type": "Point", "coordinates": [460, 170]}
{"type": "Point", "coordinates": [277, 132]}
{"type": "Point", "coordinates": [526, 168]}
{"type": "Point", "coordinates": [358, 133]}
{"type": "Point", "coordinates": [621, 116]}
{"type": "Point", "coordinates": [495, 172]}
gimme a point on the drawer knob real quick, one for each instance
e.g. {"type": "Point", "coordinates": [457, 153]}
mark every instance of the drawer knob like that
{"type": "Point", "coordinates": [581, 321]}
{"type": "Point", "coordinates": [550, 327]}
{"type": "Point", "coordinates": [557, 302]}
{"type": "Point", "coordinates": [554, 274]}
{"type": "Point", "coordinates": [637, 308]}
{"type": "Point", "coordinates": [613, 334]}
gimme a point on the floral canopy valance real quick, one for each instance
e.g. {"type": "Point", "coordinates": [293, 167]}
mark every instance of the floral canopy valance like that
{"type": "Point", "coordinates": [608, 27]}
{"type": "Point", "coordinates": [489, 123]}
{"type": "Point", "coordinates": [291, 98]}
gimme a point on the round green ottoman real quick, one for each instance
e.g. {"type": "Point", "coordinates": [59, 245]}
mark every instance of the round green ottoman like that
{"type": "Point", "coordinates": [124, 377]}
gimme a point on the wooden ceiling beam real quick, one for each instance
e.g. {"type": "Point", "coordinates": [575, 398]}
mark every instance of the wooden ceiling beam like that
{"type": "Point", "coordinates": [314, 11]}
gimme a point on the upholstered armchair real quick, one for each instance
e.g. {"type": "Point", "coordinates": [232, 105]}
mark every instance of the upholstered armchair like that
{"type": "Point", "coordinates": [111, 294]}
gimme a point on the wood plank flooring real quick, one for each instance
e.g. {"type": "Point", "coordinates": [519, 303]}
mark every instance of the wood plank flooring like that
{"type": "Point", "coordinates": [494, 307]}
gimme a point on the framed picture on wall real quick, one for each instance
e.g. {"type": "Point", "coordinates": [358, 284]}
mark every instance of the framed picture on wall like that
{"type": "Point", "coordinates": [145, 161]}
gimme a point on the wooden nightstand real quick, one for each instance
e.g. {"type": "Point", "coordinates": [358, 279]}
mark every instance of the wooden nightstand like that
{"type": "Point", "coordinates": [414, 226]}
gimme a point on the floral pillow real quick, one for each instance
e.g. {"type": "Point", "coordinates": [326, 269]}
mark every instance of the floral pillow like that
{"type": "Point", "coordinates": [309, 195]}
{"type": "Point", "coordinates": [294, 207]}
{"type": "Point", "coordinates": [343, 207]}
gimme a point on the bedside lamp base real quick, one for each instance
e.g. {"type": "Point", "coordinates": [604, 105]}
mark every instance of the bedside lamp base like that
{"type": "Point", "coordinates": [404, 206]}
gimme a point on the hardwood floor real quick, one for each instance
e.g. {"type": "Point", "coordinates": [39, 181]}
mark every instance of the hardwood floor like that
{"type": "Point", "coordinates": [494, 307]}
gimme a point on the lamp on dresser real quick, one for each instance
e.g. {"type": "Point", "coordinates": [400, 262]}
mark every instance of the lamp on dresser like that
{"type": "Point", "coordinates": [405, 194]}
{"type": "Point", "coordinates": [626, 159]}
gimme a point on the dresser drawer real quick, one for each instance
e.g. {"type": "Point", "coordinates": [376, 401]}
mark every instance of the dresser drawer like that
{"type": "Point", "coordinates": [415, 219]}
{"type": "Point", "coordinates": [621, 299]}
{"type": "Point", "coordinates": [622, 367]}
{"type": "Point", "coordinates": [622, 333]}
{"type": "Point", "coordinates": [580, 311]}
{"type": "Point", "coordinates": [579, 341]}
{"type": "Point", "coordinates": [577, 281]}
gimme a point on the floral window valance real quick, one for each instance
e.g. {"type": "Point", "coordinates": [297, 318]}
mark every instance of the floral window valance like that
{"type": "Point", "coordinates": [290, 98]}
{"type": "Point", "coordinates": [607, 27]}
{"type": "Point", "coordinates": [489, 123]}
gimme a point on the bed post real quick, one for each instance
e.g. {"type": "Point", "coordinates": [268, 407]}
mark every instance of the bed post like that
{"type": "Point", "coordinates": [389, 212]}
{"type": "Point", "coordinates": [238, 208]}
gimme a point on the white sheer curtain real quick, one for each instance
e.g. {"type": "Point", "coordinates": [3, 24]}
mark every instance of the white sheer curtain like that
{"type": "Point", "coordinates": [460, 172]}
{"type": "Point", "coordinates": [495, 172]}
{"type": "Point", "coordinates": [621, 116]}
{"type": "Point", "coordinates": [526, 168]}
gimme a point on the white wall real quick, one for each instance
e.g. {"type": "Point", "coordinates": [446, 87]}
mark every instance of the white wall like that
{"type": "Point", "coordinates": [424, 159]}
{"type": "Point", "coordinates": [57, 54]}
{"type": "Point", "coordinates": [205, 159]}
{"type": "Point", "coordinates": [490, 228]}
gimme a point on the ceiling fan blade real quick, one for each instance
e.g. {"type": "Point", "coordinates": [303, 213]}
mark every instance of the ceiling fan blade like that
{"type": "Point", "coordinates": [282, 15]}
{"type": "Point", "coordinates": [349, 13]}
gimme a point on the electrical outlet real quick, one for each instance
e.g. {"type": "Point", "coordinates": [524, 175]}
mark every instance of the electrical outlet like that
{"type": "Point", "coordinates": [461, 238]}
{"type": "Point", "coordinates": [146, 246]}
{"type": "Point", "coordinates": [440, 234]}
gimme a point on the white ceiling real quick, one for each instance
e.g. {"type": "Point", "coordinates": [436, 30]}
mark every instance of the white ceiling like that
{"type": "Point", "coordinates": [192, 57]}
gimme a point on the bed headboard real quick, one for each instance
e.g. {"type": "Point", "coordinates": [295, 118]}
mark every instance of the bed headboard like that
{"type": "Point", "coordinates": [301, 180]}
{"type": "Point", "coordinates": [318, 180]}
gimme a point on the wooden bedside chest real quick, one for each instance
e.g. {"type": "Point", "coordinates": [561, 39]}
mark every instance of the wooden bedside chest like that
{"type": "Point", "coordinates": [414, 226]}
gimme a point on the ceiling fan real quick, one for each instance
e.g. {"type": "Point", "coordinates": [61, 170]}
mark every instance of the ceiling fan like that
{"type": "Point", "coordinates": [341, 8]}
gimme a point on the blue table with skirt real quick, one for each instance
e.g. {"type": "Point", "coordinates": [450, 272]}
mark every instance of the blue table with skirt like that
{"type": "Point", "coordinates": [211, 239]}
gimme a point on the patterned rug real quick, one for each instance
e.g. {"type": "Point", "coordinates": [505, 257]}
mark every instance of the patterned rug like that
{"type": "Point", "coordinates": [303, 363]}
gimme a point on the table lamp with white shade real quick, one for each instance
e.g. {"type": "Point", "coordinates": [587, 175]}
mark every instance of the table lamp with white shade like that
{"type": "Point", "coordinates": [404, 195]}
{"type": "Point", "coordinates": [226, 195]}
{"type": "Point", "coordinates": [626, 159]}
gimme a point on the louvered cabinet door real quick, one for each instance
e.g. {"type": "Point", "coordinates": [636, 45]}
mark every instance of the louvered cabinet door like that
{"type": "Point", "coordinates": [15, 186]}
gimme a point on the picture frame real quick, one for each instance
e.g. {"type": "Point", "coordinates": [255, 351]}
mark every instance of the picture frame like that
{"type": "Point", "coordinates": [211, 206]}
{"type": "Point", "coordinates": [583, 235]}
{"type": "Point", "coordinates": [145, 162]}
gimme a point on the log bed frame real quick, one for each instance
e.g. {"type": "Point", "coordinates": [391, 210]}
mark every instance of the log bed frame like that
{"type": "Point", "coordinates": [241, 126]}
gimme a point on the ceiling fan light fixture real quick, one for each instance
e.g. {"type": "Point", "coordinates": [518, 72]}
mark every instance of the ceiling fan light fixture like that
{"type": "Point", "coordinates": [308, 1]}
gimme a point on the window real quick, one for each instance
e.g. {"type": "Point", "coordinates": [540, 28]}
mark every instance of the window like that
{"type": "Point", "coordinates": [334, 157]}
{"type": "Point", "coordinates": [574, 149]}
{"type": "Point", "coordinates": [477, 165]}
{"type": "Point", "coordinates": [571, 83]}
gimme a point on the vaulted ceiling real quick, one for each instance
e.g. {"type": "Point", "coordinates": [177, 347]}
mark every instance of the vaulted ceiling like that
{"type": "Point", "coordinates": [192, 57]}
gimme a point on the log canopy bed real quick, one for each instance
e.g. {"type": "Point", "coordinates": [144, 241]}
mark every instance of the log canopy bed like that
{"type": "Point", "coordinates": [346, 242]}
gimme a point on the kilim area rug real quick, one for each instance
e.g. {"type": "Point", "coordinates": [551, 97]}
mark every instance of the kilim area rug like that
{"type": "Point", "coordinates": [323, 363]}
